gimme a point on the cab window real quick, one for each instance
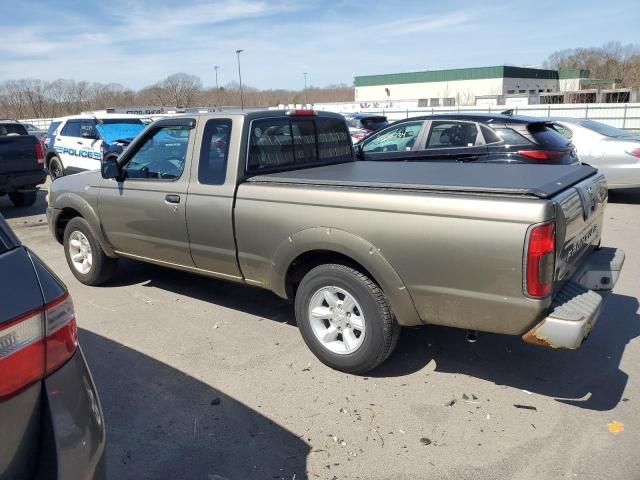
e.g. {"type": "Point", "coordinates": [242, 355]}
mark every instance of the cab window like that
{"type": "Point", "coordinates": [395, 139]}
{"type": "Point", "coordinates": [447, 134]}
{"type": "Point", "coordinates": [161, 156]}
{"type": "Point", "coordinates": [214, 151]}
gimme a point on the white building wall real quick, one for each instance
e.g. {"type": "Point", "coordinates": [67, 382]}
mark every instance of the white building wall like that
{"type": "Point", "coordinates": [464, 91]}
{"type": "Point", "coordinates": [569, 84]}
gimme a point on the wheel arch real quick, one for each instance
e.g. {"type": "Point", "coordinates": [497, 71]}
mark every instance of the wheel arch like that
{"type": "Point", "coordinates": [309, 248]}
{"type": "Point", "coordinates": [74, 206]}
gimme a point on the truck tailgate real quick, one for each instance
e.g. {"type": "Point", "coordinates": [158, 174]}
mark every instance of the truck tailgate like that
{"type": "Point", "coordinates": [18, 153]}
{"type": "Point", "coordinates": [579, 217]}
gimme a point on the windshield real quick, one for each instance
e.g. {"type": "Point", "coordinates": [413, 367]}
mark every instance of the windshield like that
{"type": "Point", "coordinates": [604, 129]}
{"type": "Point", "coordinates": [113, 129]}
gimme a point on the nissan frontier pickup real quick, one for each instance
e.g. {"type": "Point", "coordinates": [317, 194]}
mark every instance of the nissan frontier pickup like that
{"type": "Point", "coordinates": [277, 200]}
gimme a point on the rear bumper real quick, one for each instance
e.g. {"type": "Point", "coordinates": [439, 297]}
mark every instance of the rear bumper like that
{"type": "Point", "coordinates": [77, 423]}
{"type": "Point", "coordinates": [10, 182]}
{"type": "Point", "coordinates": [576, 308]}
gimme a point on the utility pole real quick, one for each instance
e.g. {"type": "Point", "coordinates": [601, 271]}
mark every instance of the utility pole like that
{"type": "Point", "coordinates": [238, 52]}
{"type": "Point", "coordinates": [217, 89]}
{"type": "Point", "coordinates": [306, 102]}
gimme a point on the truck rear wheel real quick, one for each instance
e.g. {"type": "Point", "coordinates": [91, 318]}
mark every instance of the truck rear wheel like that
{"type": "Point", "coordinates": [345, 318]}
{"type": "Point", "coordinates": [23, 199]}
{"type": "Point", "coordinates": [86, 258]}
{"type": "Point", "coordinates": [55, 168]}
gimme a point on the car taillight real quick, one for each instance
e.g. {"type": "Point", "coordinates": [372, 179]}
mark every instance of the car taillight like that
{"type": "Point", "coordinates": [540, 260]}
{"type": "Point", "coordinates": [635, 152]}
{"type": "Point", "coordinates": [39, 153]}
{"type": "Point", "coordinates": [31, 348]}
{"type": "Point", "coordinates": [358, 136]}
{"type": "Point", "coordinates": [541, 154]}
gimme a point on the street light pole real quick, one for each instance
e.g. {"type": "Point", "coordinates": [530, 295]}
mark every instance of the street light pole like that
{"type": "Point", "coordinates": [217, 89]}
{"type": "Point", "coordinates": [306, 102]}
{"type": "Point", "coordinates": [238, 52]}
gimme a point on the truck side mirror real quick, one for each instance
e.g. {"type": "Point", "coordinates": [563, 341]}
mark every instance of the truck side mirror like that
{"type": "Point", "coordinates": [110, 168]}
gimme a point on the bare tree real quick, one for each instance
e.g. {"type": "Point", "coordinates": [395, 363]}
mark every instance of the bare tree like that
{"type": "Point", "coordinates": [611, 61]}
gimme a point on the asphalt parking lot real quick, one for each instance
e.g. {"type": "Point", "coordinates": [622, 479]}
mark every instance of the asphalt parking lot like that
{"type": "Point", "coordinates": [201, 379]}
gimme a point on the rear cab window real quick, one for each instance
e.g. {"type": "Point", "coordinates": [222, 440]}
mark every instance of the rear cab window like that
{"type": "Point", "coordinates": [11, 129]}
{"type": "Point", "coordinates": [278, 144]}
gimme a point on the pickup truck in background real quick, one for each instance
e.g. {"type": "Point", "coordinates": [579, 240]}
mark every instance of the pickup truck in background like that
{"type": "Point", "coordinates": [277, 200]}
{"type": "Point", "coordinates": [21, 163]}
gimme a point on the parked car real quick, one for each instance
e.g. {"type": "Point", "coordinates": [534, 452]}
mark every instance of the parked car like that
{"type": "Point", "coordinates": [357, 134]}
{"type": "Point", "coordinates": [615, 152]}
{"type": "Point", "coordinates": [21, 163]}
{"type": "Point", "coordinates": [35, 131]}
{"type": "Point", "coordinates": [52, 423]}
{"type": "Point", "coordinates": [361, 248]}
{"type": "Point", "coordinates": [368, 122]}
{"type": "Point", "coordinates": [80, 142]}
{"type": "Point", "coordinates": [477, 137]}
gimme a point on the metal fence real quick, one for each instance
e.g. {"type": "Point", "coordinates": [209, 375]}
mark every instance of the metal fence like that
{"type": "Point", "coordinates": [621, 115]}
{"type": "Point", "coordinates": [625, 115]}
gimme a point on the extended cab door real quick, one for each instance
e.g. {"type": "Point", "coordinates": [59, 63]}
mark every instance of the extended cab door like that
{"type": "Point", "coordinates": [211, 197]}
{"type": "Point", "coordinates": [143, 213]}
{"type": "Point", "coordinates": [453, 140]}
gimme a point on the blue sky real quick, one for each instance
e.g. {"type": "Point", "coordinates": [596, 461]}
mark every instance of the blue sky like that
{"type": "Point", "coordinates": [138, 42]}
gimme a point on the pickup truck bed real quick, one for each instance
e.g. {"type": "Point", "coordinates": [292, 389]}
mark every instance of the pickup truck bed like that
{"type": "Point", "coordinates": [542, 181]}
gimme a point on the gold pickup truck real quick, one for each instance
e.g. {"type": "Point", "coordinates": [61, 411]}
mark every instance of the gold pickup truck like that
{"type": "Point", "coordinates": [277, 200]}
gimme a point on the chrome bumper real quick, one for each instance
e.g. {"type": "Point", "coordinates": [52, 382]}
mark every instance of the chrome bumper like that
{"type": "Point", "coordinates": [576, 308]}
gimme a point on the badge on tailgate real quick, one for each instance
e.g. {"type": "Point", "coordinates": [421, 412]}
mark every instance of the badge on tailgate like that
{"type": "Point", "coordinates": [579, 242]}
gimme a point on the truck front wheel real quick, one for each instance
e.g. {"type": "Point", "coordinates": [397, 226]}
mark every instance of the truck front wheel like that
{"type": "Point", "coordinates": [345, 318]}
{"type": "Point", "coordinates": [85, 256]}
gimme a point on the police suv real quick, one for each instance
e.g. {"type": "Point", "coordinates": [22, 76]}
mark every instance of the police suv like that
{"type": "Point", "coordinates": [80, 142]}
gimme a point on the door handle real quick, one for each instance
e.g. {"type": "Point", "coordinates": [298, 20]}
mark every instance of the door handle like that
{"type": "Point", "coordinates": [172, 198]}
{"type": "Point", "coordinates": [79, 143]}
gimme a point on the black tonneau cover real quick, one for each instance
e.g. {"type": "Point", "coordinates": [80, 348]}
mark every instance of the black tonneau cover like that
{"type": "Point", "coordinates": [543, 181]}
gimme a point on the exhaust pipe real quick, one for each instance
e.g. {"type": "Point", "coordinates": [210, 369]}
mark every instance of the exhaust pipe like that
{"type": "Point", "coordinates": [472, 336]}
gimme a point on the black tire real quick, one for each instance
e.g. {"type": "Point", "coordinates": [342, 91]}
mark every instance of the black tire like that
{"type": "Point", "coordinates": [382, 330]}
{"type": "Point", "coordinates": [23, 199]}
{"type": "Point", "coordinates": [102, 268]}
{"type": "Point", "coordinates": [56, 169]}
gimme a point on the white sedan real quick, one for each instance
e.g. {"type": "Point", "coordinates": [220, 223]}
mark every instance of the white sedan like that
{"type": "Point", "coordinates": [613, 151]}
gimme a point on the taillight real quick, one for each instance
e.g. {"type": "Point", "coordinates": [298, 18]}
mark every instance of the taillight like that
{"type": "Point", "coordinates": [31, 348]}
{"type": "Point", "coordinates": [62, 332]}
{"type": "Point", "coordinates": [541, 154]}
{"type": "Point", "coordinates": [39, 153]}
{"type": "Point", "coordinates": [635, 152]}
{"type": "Point", "coordinates": [540, 260]}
